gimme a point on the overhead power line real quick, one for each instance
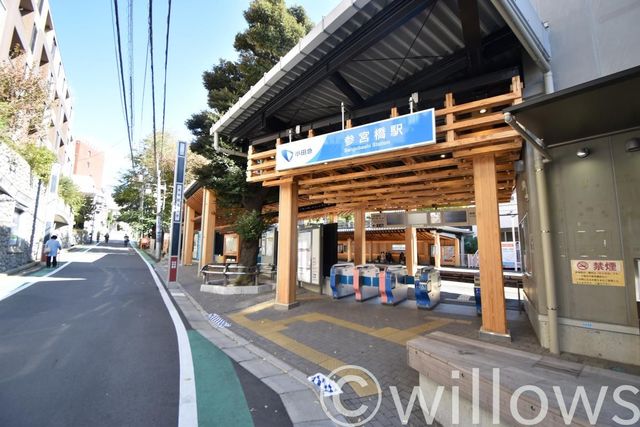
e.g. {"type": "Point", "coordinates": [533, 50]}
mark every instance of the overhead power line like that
{"type": "Point", "coordinates": [131, 69]}
{"type": "Point", "coordinates": [153, 88]}
{"type": "Point", "coordinates": [164, 89]}
{"type": "Point", "coordinates": [123, 86]}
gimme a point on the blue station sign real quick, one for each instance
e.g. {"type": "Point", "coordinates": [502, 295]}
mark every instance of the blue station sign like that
{"type": "Point", "coordinates": [406, 131]}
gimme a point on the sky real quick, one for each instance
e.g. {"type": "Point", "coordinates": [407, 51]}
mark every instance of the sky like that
{"type": "Point", "coordinates": [201, 32]}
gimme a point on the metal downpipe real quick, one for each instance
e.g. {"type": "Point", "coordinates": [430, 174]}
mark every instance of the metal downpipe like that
{"type": "Point", "coordinates": [545, 234]}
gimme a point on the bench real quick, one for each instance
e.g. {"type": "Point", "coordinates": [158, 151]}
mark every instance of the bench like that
{"type": "Point", "coordinates": [267, 270]}
{"type": "Point", "coordinates": [445, 360]}
{"type": "Point", "coordinates": [228, 271]}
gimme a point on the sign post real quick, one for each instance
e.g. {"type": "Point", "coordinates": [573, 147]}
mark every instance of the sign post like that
{"type": "Point", "coordinates": [176, 211]}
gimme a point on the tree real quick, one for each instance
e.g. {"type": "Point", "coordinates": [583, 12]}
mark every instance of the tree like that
{"type": "Point", "coordinates": [273, 29]}
{"type": "Point", "coordinates": [70, 193]}
{"type": "Point", "coordinates": [24, 99]}
{"type": "Point", "coordinates": [86, 211]}
{"type": "Point", "coordinates": [135, 193]}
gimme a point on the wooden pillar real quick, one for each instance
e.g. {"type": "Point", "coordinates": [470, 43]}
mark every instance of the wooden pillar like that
{"type": "Point", "coordinates": [436, 244]}
{"type": "Point", "coordinates": [494, 319]}
{"type": "Point", "coordinates": [394, 112]}
{"type": "Point", "coordinates": [411, 249]}
{"type": "Point", "coordinates": [208, 229]}
{"type": "Point", "coordinates": [359, 237]}
{"type": "Point", "coordinates": [456, 251]}
{"type": "Point", "coordinates": [287, 246]}
{"type": "Point", "coordinates": [349, 249]}
{"type": "Point", "coordinates": [187, 241]}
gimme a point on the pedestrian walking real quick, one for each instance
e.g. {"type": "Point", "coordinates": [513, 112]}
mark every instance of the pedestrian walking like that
{"type": "Point", "coordinates": [106, 237]}
{"type": "Point", "coordinates": [51, 249]}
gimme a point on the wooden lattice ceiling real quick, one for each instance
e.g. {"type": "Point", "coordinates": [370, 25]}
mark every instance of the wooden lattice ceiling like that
{"type": "Point", "coordinates": [440, 174]}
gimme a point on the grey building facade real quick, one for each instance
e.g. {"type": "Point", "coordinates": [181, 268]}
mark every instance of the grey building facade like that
{"type": "Point", "coordinates": [593, 199]}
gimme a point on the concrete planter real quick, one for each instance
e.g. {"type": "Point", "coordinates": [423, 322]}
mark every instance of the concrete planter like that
{"type": "Point", "coordinates": [236, 290]}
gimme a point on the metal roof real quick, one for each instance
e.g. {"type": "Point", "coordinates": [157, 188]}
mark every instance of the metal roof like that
{"type": "Point", "coordinates": [602, 106]}
{"type": "Point", "coordinates": [369, 45]}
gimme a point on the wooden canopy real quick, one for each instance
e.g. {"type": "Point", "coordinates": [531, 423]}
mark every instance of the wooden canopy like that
{"type": "Point", "coordinates": [440, 174]}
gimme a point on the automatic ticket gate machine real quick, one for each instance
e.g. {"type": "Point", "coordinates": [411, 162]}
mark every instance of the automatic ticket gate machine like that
{"type": "Point", "coordinates": [341, 279]}
{"type": "Point", "coordinates": [427, 288]}
{"type": "Point", "coordinates": [366, 281]}
{"type": "Point", "coordinates": [393, 290]}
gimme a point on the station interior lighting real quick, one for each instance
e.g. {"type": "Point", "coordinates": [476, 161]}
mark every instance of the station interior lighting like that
{"type": "Point", "coordinates": [632, 145]}
{"type": "Point", "coordinates": [583, 152]}
{"type": "Point", "coordinates": [483, 110]}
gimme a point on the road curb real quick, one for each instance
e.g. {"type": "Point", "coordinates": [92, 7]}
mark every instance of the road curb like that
{"type": "Point", "coordinates": [300, 398]}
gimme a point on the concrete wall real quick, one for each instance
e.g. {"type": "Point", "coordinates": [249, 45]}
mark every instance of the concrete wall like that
{"type": "Point", "coordinates": [590, 38]}
{"type": "Point", "coordinates": [18, 190]}
{"type": "Point", "coordinates": [593, 201]}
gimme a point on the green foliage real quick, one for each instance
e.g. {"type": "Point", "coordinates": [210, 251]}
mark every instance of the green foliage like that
{"type": "Point", "coordinates": [250, 225]}
{"type": "Point", "coordinates": [273, 29]}
{"type": "Point", "coordinates": [70, 193]}
{"type": "Point", "coordinates": [86, 211]}
{"type": "Point", "coordinates": [39, 158]}
{"type": "Point", "coordinates": [23, 102]}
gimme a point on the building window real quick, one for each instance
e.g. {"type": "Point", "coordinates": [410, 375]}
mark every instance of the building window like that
{"type": "Point", "coordinates": [40, 4]}
{"type": "Point", "coordinates": [34, 34]}
{"type": "Point", "coordinates": [15, 228]}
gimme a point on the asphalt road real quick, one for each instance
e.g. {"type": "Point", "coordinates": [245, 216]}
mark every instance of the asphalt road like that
{"type": "Point", "coordinates": [93, 346]}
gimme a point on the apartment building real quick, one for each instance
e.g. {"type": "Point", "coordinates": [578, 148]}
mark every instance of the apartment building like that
{"type": "Point", "coordinates": [30, 210]}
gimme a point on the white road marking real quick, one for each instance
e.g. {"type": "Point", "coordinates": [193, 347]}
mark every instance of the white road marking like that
{"type": "Point", "coordinates": [35, 279]}
{"type": "Point", "coordinates": [188, 407]}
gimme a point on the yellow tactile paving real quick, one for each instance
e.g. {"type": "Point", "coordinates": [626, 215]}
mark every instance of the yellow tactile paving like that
{"type": "Point", "coordinates": [271, 330]}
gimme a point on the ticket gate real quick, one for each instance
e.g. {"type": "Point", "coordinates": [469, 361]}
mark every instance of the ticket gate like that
{"type": "Point", "coordinates": [427, 288]}
{"type": "Point", "coordinates": [341, 279]}
{"type": "Point", "coordinates": [393, 290]}
{"type": "Point", "coordinates": [366, 281]}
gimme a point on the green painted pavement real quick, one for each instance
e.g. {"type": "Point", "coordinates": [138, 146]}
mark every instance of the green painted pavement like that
{"type": "Point", "coordinates": [43, 271]}
{"type": "Point", "coordinates": [221, 400]}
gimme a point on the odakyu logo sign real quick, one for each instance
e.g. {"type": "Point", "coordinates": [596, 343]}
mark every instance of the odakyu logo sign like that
{"type": "Point", "coordinates": [287, 154]}
{"type": "Point", "coordinates": [527, 405]}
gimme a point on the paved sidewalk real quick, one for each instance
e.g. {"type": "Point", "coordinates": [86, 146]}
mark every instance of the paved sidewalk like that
{"type": "Point", "coordinates": [321, 335]}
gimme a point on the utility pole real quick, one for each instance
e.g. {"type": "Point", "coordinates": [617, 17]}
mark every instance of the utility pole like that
{"type": "Point", "coordinates": [158, 249]}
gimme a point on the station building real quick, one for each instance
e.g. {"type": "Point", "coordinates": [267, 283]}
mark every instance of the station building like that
{"type": "Point", "coordinates": [537, 97]}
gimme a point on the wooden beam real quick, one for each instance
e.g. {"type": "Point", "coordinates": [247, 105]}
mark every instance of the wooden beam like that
{"type": "Point", "coordinates": [287, 246]}
{"type": "Point", "coordinates": [494, 318]}
{"type": "Point", "coordinates": [208, 230]}
{"type": "Point", "coordinates": [488, 137]}
{"type": "Point", "coordinates": [359, 237]}
{"type": "Point", "coordinates": [411, 249]}
{"type": "Point", "coordinates": [187, 241]}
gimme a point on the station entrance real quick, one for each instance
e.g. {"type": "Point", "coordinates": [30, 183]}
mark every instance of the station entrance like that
{"type": "Point", "coordinates": [468, 162]}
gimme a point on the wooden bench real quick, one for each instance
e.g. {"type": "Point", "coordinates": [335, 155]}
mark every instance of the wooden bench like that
{"type": "Point", "coordinates": [444, 360]}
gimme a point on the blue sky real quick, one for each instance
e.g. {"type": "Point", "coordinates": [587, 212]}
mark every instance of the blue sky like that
{"type": "Point", "coordinates": [201, 32]}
